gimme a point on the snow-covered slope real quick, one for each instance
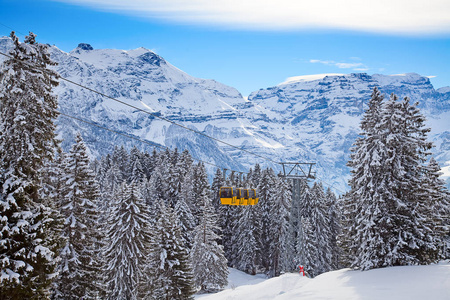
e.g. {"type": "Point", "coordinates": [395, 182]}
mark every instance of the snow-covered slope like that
{"type": "Point", "coordinates": [311, 118]}
{"type": "Point", "coordinates": [322, 113]}
{"type": "Point", "coordinates": [394, 283]}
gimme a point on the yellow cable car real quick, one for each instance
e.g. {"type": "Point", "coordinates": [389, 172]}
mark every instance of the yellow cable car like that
{"type": "Point", "coordinates": [253, 197]}
{"type": "Point", "coordinates": [245, 197]}
{"type": "Point", "coordinates": [237, 196]}
{"type": "Point", "coordinates": [227, 196]}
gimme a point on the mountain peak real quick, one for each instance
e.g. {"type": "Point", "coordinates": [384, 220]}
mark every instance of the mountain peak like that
{"type": "Point", "coordinates": [85, 46]}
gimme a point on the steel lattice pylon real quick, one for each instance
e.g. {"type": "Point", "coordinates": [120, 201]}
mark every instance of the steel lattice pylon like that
{"type": "Point", "coordinates": [298, 170]}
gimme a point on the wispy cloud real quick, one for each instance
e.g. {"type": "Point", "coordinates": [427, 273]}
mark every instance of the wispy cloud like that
{"type": "Point", "coordinates": [356, 66]}
{"type": "Point", "coordinates": [431, 76]}
{"type": "Point", "coordinates": [392, 17]}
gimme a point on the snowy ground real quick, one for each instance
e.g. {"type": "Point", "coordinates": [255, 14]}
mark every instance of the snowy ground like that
{"type": "Point", "coordinates": [395, 283]}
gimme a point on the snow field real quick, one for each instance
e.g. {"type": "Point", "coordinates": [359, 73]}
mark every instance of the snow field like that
{"type": "Point", "coordinates": [395, 283]}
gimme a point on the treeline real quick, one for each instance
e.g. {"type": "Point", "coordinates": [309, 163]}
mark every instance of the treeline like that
{"type": "Point", "coordinates": [144, 224]}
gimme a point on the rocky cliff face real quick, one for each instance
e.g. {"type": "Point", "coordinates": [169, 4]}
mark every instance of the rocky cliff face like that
{"type": "Point", "coordinates": [309, 119]}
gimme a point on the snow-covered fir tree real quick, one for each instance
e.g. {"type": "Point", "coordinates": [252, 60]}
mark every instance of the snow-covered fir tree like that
{"type": "Point", "coordinates": [321, 225]}
{"type": "Point", "coordinates": [386, 186]}
{"type": "Point", "coordinates": [169, 271]}
{"type": "Point", "coordinates": [334, 226]}
{"type": "Point", "coordinates": [246, 244]}
{"type": "Point", "coordinates": [314, 213]}
{"type": "Point", "coordinates": [307, 248]}
{"type": "Point", "coordinates": [297, 187]}
{"type": "Point", "coordinates": [137, 172]}
{"type": "Point", "coordinates": [434, 203]}
{"type": "Point", "coordinates": [280, 207]}
{"type": "Point", "coordinates": [266, 191]}
{"type": "Point", "coordinates": [208, 261]}
{"type": "Point", "coordinates": [186, 200]}
{"type": "Point", "coordinates": [217, 183]}
{"type": "Point", "coordinates": [80, 269]}
{"type": "Point", "coordinates": [127, 244]}
{"type": "Point", "coordinates": [27, 142]}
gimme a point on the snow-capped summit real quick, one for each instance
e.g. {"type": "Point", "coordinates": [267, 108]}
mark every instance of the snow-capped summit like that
{"type": "Point", "coordinates": [84, 46]}
{"type": "Point", "coordinates": [312, 118]}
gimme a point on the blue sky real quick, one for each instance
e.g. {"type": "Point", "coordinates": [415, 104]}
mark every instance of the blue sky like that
{"type": "Point", "coordinates": [249, 46]}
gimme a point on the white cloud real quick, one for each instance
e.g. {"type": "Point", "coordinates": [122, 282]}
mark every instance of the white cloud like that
{"type": "Point", "coordinates": [392, 17]}
{"type": "Point", "coordinates": [431, 76]}
{"type": "Point", "coordinates": [309, 77]}
{"type": "Point", "coordinates": [341, 65]}
{"type": "Point", "coordinates": [348, 65]}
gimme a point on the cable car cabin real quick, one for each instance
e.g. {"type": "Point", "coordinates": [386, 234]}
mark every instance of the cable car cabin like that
{"type": "Point", "coordinates": [244, 197]}
{"type": "Point", "coordinates": [237, 196]}
{"type": "Point", "coordinates": [228, 196]}
{"type": "Point", "coordinates": [252, 197]}
{"type": "Point", "coordinates": [237, 193]}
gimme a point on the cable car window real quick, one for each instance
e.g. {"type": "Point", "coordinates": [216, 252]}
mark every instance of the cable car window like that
{"type": "Point", "coordinates": [225, 193]}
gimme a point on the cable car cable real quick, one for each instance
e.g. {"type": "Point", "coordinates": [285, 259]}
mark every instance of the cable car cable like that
{"type": "Point", "coordinates": [135, 138]}
{"type": "Point", "coordinates": [144, 111]}
{"type": "Point", "coordinates": [152, 114]}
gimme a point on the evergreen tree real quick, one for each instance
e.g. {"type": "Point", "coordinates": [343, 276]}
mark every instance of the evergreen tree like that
{"type": "Point", "coordinates": [279, 226]}
{"type": "Point", "coordinates": [321, 225]}
{"type": "Point", "coordinates": [27, 142]}
{"type": "Point", "coordinates": [387, 164]}
{"type": "Point", "coordinates": [80, 267]}
{"type": "Point", "coordinates": [313, 210]}
{"type": "Point", "coordinates": [434, 203]}
{"type": "Point", "coordinates": [169, 270]}
{"type": "Point", "coordinates": [207, 258]}
{"type": "Point", "coordinates": [334, 228]}
{"type": "Point", "coordinates": [121, 160]}
{"type": "Point", "coordinates": [183, 209]}
{"type": "Point", "coordinates": [217, 183]}
{"type": "Point", "coordinates": [297, 187]}
{"type": "Point", "coordinates": [137, 172]}
{"type": "Point", "coordinates": [127, 247]}
{"type": "Point", "coordinates": [245, 259]}
{"type": "Point", "coordinates": [307, 248]}
{"type": "Point", "coordinates": [266, 191]}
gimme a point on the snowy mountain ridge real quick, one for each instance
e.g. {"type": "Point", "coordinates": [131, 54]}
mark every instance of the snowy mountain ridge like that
{"type": "Point", "coordinates": [305, 119]}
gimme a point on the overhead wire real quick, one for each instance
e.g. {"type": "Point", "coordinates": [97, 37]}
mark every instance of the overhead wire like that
{"type": "Point", "coordinates": [149, 113]}
{"type": "Point", "coordinates": [158, 117]}
{"type": "Point", "coordinates": [135, 138]}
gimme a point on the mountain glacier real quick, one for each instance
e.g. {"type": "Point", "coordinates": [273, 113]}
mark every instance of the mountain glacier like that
{"type": "Point", "coordinates": [306, 119]}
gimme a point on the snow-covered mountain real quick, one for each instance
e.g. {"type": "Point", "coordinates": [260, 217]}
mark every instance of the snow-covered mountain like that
{"type": "Point", "coordinates": [307, 119]}
{"type": "Point", "coordinates": [322, 113]}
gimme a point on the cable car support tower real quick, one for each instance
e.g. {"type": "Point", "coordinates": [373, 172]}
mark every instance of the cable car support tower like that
{"type": "Point", "coordinates": [296, 173]}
